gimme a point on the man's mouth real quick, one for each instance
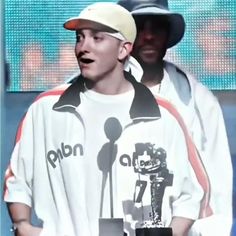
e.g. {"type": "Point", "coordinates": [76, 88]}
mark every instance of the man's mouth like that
{"type": "Point", "coordinates": [86, 60]}
{"type": "Point", "coordinates": [148, 50]}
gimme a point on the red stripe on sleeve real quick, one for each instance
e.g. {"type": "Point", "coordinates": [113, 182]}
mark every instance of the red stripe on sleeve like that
{"type": "Point", "coordinates": [194, 159]}
{"type": "Point", "coordinates": [54, 92]}
{"type": "Point", "coordinates": [42, 95]}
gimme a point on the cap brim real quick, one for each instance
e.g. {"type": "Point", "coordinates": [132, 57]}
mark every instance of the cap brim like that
{"type": "Point", "coordinates": [177, 23]}
{"type": "Point", "coordinates": [76, 23]}
{"type": "Point", "coordinates": [72, 23]}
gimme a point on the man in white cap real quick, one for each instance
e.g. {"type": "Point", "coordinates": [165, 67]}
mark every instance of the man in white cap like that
{"type": "Point", "coordinates": [84, 150]}
{"type": "Point", "coordinates": [159, 29]}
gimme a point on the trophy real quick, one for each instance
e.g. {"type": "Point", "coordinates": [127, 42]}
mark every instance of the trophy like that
{"type": "Point", "coordinates": [154, 166]}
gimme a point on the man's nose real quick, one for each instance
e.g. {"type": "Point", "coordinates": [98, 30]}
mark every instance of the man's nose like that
{"type": "Point", "coordinates": [148, 36]}
{"type": "Point", "coordinates": [84, 45]}
{"type": "Point", "coordinates": [146, 30]}
{"type": "Point", "coordinates": [148, 33]}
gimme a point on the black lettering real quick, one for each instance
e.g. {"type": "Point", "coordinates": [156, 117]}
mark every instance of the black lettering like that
{"type": "Point", "coordinates": [142, 163]}
{"type": "Point", "coordinates": [59, 155]}
{"type": "Point", "coordinates": [63, 152]}
{"type": "Point", "coordinates": [52, 157]}
{"type": "Point", "coordinates": [80, 147]}
{"type": "Point", "coordinates": [139, 190]}
{"type": "Point", "coordinates": [125, 160]}
{"type": "Point", "coordinates": [66, 150]}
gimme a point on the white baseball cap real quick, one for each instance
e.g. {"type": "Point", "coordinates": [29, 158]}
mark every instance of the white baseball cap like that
{"type": "Point", "coordinates": [105, 16]}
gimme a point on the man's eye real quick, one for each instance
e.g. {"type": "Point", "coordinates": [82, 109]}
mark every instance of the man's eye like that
{"type": "Point", "coordinates": [78, 38]}
{"type": "Point", "coordinates": [97, 38]}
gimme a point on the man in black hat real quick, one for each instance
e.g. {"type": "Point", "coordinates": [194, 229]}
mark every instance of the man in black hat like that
{"type": "Point", "coordinates": [158, 30]}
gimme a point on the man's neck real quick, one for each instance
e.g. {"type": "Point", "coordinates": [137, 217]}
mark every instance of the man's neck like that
{"type": "Point", "coordinates": [115, 84]}
{"type": "Point", "coordinates": [152, 74]}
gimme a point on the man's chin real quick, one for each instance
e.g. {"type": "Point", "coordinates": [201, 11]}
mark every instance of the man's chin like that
{"type": "Point", "coordinates": [87, 75]}
{"type": "Point", "coordinates": [147, 61]}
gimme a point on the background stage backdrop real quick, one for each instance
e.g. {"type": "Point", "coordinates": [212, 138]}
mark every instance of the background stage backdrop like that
{"type": "Point", "coordinates": [39, 53]}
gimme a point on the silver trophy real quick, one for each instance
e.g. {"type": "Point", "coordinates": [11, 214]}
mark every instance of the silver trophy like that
{"type": "Point", "coordinates": [154, 166]}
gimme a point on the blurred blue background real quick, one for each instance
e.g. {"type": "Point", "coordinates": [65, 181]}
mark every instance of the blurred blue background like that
{"type": "Point", "coordinates": [40, 51]}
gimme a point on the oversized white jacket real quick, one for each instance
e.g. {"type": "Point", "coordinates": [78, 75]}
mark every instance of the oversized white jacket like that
{"type": "Point", "coordinates": [56, 163]}
{"type": "Point", "coordinates": [203, 116]}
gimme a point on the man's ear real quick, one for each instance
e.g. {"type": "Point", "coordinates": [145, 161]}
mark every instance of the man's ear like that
{"type": "Point", "coordinates": [125, 50]}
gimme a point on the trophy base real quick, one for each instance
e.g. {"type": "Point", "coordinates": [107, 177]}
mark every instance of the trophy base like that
{"type": "Point", "coordinates": [111, 226]}
{"type": "Point", "coordinates": [153, 232]}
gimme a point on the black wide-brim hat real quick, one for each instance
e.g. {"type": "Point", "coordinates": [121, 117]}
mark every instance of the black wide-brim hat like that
{"type": "Point", "coordinates": [158, 8]}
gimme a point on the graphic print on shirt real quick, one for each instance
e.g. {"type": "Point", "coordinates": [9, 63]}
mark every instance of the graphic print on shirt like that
{"type": "Point", "coordinates": [141, 156]}
{"type": "Point", "coordinates": [106, 157]}
{"type": "Point", "coordinates": [147, 161]}
{"type": "Point", "coordinates": [151, 162]}
{"type": "Point", "coordinates": [64, 151]}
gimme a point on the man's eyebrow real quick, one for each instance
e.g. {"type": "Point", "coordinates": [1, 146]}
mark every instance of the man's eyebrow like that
{"type": "Point", "coordinates": [78, 31]}
{"type": "Point", "coordinates": [91, 30]}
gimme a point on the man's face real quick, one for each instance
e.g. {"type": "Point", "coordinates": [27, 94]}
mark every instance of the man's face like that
{"type": "Point", "coordinates": [97, 53]}
{"type": "Point", "coordinates": [150, 45]}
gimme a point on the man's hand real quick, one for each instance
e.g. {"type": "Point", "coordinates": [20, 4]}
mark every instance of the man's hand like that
{"type": "Point", "coordinates": [24, 228]}
{"type": "Point", "coordinates": [180, 226]}
{"type": "Point", "coordinates": [20, 214]}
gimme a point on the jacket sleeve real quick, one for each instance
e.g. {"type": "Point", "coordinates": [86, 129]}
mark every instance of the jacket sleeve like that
{"type": "Point", "coordinates": [18, 176]}
{"type": "Point", "coordinates": [188, 200]}
{"type": "Point", "coordinates": [213, 147]}
{"type": "Point", "coordinates": [187, 192]}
